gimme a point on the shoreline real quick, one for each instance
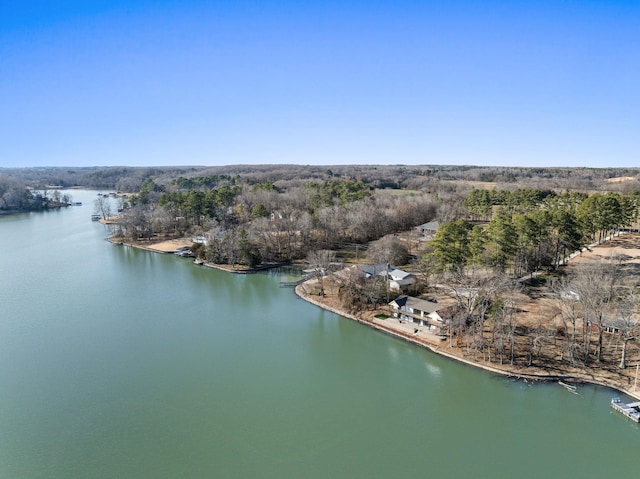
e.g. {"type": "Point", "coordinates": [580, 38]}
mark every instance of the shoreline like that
{"type": "Point", "coordinates": [433, 347]}
{"type": "Point", "coordinates": [300, 292]}
{"type": "Point", "coordinates": [176, 243]}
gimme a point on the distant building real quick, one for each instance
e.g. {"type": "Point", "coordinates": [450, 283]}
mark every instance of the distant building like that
{"type": "Point", "coordinates": [428, 230]}
{"type": "Point", "coordinates": [572, 295]}
{"type": "Point", "coordinates": [614, 326]}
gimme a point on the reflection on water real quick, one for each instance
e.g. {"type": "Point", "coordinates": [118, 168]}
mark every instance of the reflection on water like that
{"type": "Point", "coordinates": [434, 370]}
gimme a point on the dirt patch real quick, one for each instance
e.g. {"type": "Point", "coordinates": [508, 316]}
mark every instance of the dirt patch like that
{"type": "Point", "coordinates": [171, 245]}
{"type": "Point", "coordinates": [624, 250]}
{"type": "Point", "coordinates": [620, 179]}
{"type": "Point", "coordinates": [166, 246]}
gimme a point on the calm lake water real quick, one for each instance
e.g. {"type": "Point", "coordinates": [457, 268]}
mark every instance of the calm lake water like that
{"type": "Point", "coordinates": [121, 363]}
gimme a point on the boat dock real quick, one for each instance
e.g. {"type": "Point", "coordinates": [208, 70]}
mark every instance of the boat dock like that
{"type": "Point", "coordinates": [569, 387]}
{"type": "Point", "coordinates": [291, 284]}
{"type": "Point", "coordinates": [630, 410]}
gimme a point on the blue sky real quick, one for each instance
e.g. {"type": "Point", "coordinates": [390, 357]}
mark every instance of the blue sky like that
{"type": "Point", "coordinates": [112, 82]}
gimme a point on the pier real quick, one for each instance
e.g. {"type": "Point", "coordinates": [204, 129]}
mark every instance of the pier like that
{"type": "Point", "coordinates": [291, 284]}
{"type": "Point", "coordinates": [630, 410]}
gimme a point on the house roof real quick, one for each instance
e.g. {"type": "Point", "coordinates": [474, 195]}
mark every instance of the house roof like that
{"type": "Point", "coordinates": [400, 301]}
{"type": "Point", "coordinates": [363, 270]}
{"type": "Point", "coordinates": [618, 323]}
{"type": "Point", "coordinates": [371, 269]}
{"type": "Point", "coordinates": [382, 269]}
{"type": "Point", "coordinates": [570, 295]}
{"type": "Point", "coordinates": [430, 226]}
{"type": "Point", "coordinates": [350, 273]}
{"type": "Point", "coordinates": [416, 304]}
{"type": "Point", "coordinates": [398, 274]}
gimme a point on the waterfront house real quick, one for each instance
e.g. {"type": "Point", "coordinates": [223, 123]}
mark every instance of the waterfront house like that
{"type": "Point", "coordinates": [416, 310]}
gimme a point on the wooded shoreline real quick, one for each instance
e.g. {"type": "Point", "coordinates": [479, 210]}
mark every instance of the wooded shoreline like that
{"type": "Point", "coordinates": [492, 256]}
{"type": "Point", "coordinates": [433, 347]}
{"type": "Point", "coordinates": [454, 354]}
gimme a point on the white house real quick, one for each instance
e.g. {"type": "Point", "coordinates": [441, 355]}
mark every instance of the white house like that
{"type": "Point", "coordinates": [418, 311]}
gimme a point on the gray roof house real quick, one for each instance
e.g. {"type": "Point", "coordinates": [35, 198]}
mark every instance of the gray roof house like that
{"type": "Point", "coordinates": [417, 310]}
{"type": "Point", "coordinates": [428, 229]}
{"type": "Point", "coordinates": [358, 271]}
{"type": "Point", "coordinates": [616, 325]}
{"type": "Point", "coordinates": [399, 278]}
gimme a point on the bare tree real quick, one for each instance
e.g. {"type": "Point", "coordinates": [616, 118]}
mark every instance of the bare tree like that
{"type": "Point", "coordinates": [568, 307]}
{"type": "Point", "coordinates": [102, 207]}
{"type": "Point", "coordinates": [595, 286]}
{"type": "Point", "coordinates": [320, 261]}
{"type": "Point", "coordinates": [475, 295]}
{"type": "Point", "coordinates": [388, 250]}
{"type": "Point", "coordinates": [506, 293]}
{"type": "Point", "coordinates": [331, 225]}
{"type": "Point", "coordinates": [628, 324]}
{"type": "Point", "coordinates": [230, 247]}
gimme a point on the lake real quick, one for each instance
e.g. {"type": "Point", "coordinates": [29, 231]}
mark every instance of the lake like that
{"type": "Point", "coordinates": [118, 362]}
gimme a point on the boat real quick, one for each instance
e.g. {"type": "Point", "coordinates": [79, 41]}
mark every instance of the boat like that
{"type": "Point", "coordinates": [95, 217]}
{"type": "Point", "coordinates": [568, 387]}
{"type": "Point", "coordinates": [630, 410]}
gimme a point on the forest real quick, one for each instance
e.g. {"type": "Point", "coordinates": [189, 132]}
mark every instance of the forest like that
{"type": "Point", "coordinates": [250, 216]}
{"type": "Point", "coordinates": [495, 225]}
{"type": "Point", "coordinates": [516, 219]}
{"type": "Point", "coordinates": [17, 197]}
{"type": "Point", "coordinates": [489, 234]}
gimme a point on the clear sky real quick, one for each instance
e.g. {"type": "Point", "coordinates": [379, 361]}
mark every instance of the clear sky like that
{"type": "Point", "coordinates": [141, 82]}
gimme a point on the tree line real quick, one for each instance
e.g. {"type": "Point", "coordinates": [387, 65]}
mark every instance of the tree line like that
{"type": "Point", "coordinates": [522, 230]}
{"type": "Point", "coordinates": [16, 196]}
{"type": "Point", "coordinates": [250, 222]}
{"type": "Point", "coordinates": [508, 234]}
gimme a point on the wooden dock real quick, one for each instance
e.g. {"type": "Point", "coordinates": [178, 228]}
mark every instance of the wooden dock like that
{"type": "Point", "coordinates": [569, 387]}
{"type": "Point", "coordinates": [630, 410]}
{"type": "Point", "coordinates": [291, 284]}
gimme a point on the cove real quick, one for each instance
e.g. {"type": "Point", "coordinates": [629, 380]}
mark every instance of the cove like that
{"type": "Point", "coordinates": [117, 362]}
